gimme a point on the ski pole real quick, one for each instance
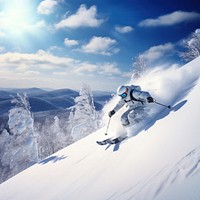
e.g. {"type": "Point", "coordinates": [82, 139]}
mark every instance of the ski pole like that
{"type": "Point", "coordinates": [162, 104]}
{"type": "Point", "coordinates": [106, 133]}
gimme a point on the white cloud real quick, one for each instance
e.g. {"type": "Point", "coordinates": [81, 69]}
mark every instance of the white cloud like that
{"type": "Point", "coordinates": [109, 69]}
{"type": "Point", "coordinates": [43, 69]}
{"type": "Point", "coordinates": [86, 67]}
{"type": "Point", "coordinates": [82, 18]}
{"type": "Point", "coordinates": [123, 29]}
{"type": "Point", "coordinates": [44, 63]}
{"type": "Point", "coordinates": [41, 60]}
{"type": "Point", "coordinates": [47, 7]}
{"type": "Point", "coordinates": [55, 49]}
{"type": "Point", "coordinates": [157, 52]}
{"type": "Point", "coordinates": [69, 42]}
{"type": "Point", "coordinates": [171, 19]}
{"type": "Point", "coordinates": [101, 45]}
{"type": "Point", "coordinates": [40, 24]}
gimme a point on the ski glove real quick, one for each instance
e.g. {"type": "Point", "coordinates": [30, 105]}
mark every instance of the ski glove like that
{"type": "Point", "coordinates": [111, 113]}
{"type": "Point", "coordinates": [150, 99]}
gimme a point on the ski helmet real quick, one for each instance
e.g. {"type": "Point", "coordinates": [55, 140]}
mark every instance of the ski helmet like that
{"type": "Point", "coordinates": [122, 91]}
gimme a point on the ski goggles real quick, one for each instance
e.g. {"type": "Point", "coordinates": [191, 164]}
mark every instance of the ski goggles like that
{"type": "Point", "coordinates": [123, 95]}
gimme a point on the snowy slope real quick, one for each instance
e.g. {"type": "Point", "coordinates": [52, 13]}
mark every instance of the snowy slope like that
{"type": "Point", "coordinates": [159, 163]}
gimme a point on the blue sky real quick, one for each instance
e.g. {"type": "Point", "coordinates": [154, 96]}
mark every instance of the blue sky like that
{"type": "Point", "coordinates": [63, 43]}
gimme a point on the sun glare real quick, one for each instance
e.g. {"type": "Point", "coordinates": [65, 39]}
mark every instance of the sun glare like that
{"type": "Point", "coordinates": [16, 16]}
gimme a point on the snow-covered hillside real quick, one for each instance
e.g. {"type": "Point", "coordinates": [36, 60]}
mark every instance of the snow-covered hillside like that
{"type": "Point", "coordinates": [161, 162]}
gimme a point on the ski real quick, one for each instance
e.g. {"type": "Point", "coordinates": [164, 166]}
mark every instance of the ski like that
{"type": "Point", "coordinates": [116, 140]}
{"type": "Point", "coordinates": [111, 141]}
{"type": "Point", "coordinates": [104, 142]}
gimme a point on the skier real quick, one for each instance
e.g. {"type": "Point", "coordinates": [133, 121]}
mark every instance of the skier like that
{"type": "Point", "coordinates": [136, 101]}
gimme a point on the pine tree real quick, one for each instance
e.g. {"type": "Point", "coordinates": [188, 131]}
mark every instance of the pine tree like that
{"type": "Point", "coordinates": [19, 139]}
{"type": "Point", "coordinates": [57, 136]}
{"type": "Point", "coordinates": [83, 116]}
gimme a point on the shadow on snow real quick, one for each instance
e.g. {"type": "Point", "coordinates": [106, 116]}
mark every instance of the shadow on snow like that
{"type": "Point", "coordinates": [52, 159]}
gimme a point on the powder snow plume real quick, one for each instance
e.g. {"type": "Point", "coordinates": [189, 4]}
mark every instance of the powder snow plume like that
{"type": "Point", "coordinates": [163, 84]}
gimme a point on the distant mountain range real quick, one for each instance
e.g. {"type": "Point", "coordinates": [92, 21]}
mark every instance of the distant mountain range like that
{"type": "Point", "coordinates": [42, 100]}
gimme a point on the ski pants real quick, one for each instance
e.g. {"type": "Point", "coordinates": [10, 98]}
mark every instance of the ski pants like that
{"type": "Point", "coordinates": [133, 116]}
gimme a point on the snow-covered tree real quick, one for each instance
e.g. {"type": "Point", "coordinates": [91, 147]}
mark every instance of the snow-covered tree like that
{"type": "Point", "coordinates": [20, 117]}
{"type": "Point", "coordinates": [139, 67]}
{"type": "Point", "coordinates": [18, 139]}
{"type": "Point", "coordinates": [51, 138]}
{"type": "Point", "coordinates": [83, 116]}
{"type": "Point", "coordinates": [192, 46]}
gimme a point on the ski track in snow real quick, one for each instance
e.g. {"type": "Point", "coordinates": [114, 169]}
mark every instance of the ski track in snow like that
{"type": "Point", "coordinates": [187, 167]}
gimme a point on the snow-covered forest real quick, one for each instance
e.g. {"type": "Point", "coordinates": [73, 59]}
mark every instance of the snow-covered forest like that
{"type": "Point", "coordinates": [25, 141]}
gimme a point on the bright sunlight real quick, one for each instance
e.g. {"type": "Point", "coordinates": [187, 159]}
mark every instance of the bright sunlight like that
{"type": "Point", "coordinates": [16, 16]}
